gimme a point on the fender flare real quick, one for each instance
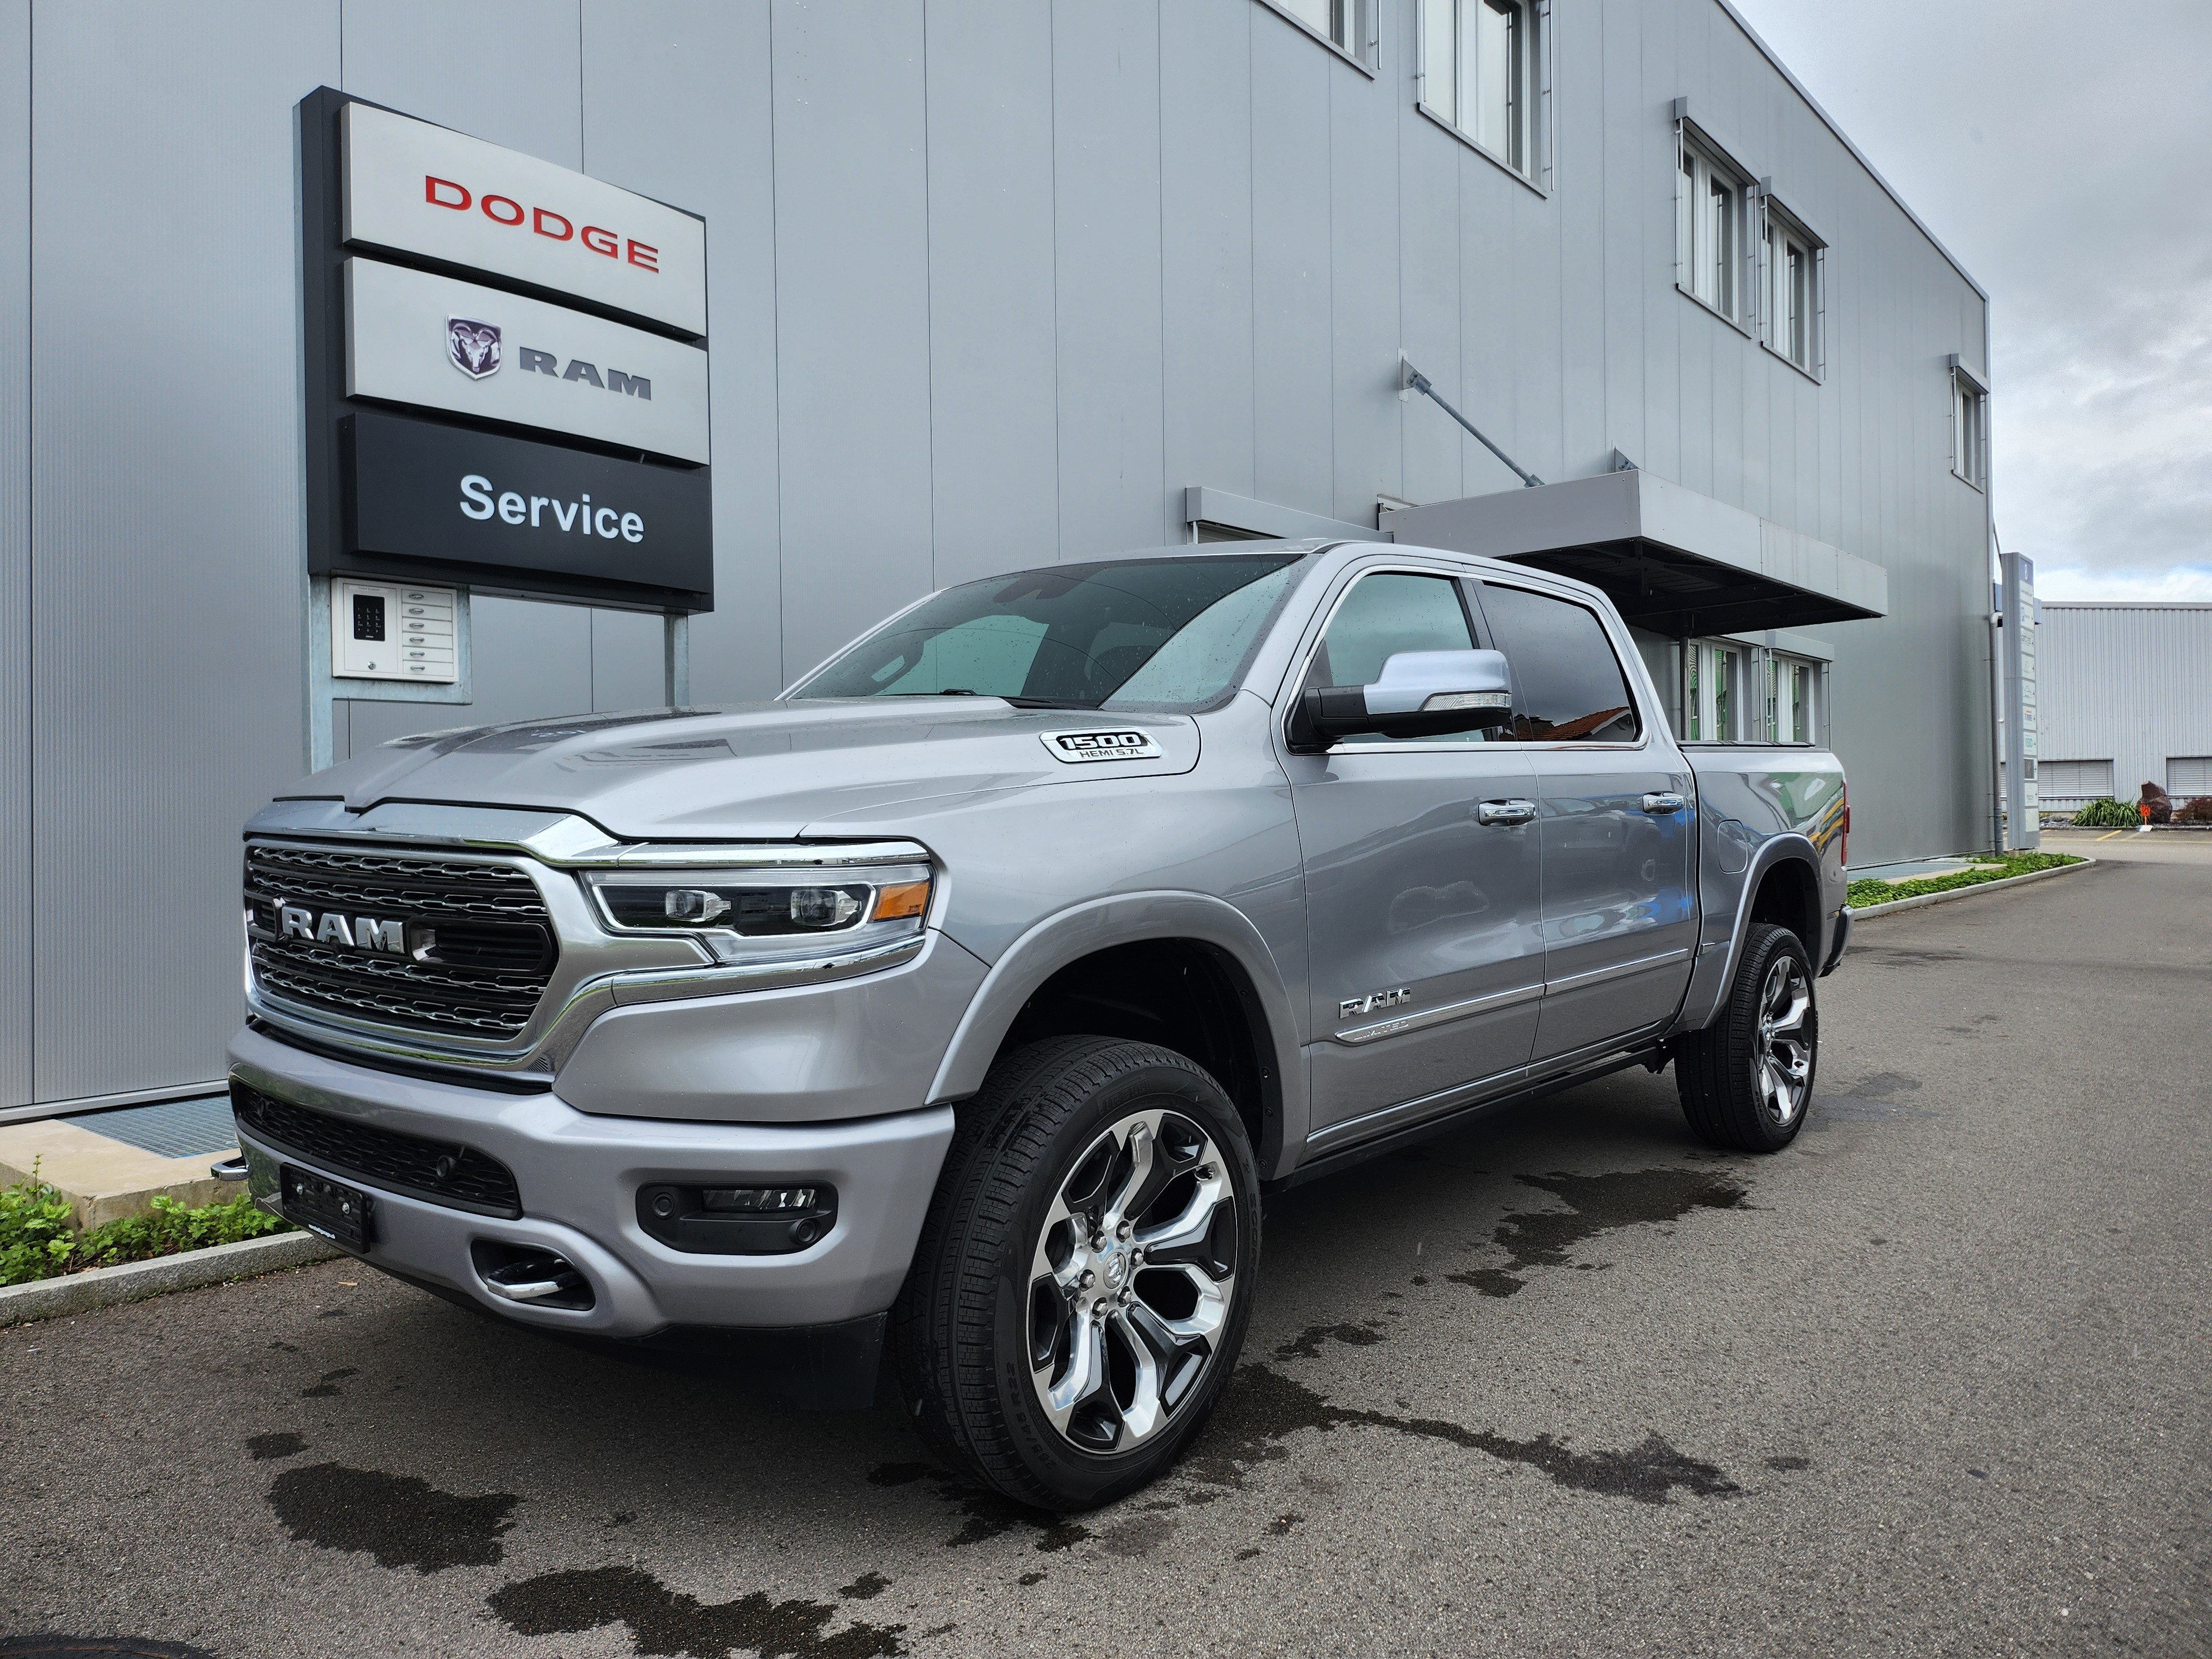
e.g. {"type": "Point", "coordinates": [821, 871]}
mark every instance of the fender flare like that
{"type": "Point", "coordinates": [1084, 929]}
{"type": "Point", "coordinates": [1716, 970]}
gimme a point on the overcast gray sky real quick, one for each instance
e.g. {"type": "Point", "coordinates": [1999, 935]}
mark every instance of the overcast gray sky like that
{"type": "Point", "coordinates": [2061, 152]}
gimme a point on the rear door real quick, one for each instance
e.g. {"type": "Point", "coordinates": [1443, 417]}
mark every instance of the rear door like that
{"type": "Point", "coordinates": [1423, 919]}
{"type": "Point", "coordinates": [1617, 815]}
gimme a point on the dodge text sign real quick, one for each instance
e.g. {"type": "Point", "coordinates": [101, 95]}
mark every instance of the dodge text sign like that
{"type": "Point", "coordinates": [425, 190]}
{"type": "Point", "coordinates": [412, 337]}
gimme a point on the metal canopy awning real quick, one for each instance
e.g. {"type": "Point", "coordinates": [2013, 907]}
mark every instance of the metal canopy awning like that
{"type": "Point", "coordinates": [1674, 562]}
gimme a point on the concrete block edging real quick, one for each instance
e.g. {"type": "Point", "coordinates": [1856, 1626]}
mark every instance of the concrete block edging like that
{"type": "Point", "coordinates": [1919, 899]}
{"type": "Point", "coordinates": [103, 1287]}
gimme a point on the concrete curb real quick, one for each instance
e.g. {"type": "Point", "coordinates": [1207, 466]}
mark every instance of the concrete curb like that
{"type": "Point", "coordinates": [1919, 899]}
{"type": "Point", "coordinates": [103, 1287]}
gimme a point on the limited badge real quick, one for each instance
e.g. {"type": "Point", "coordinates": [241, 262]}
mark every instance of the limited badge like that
{"type": "Point", "coordinates": [1077, 747]}
{"type": "Point", "coordinates": [472, 347]}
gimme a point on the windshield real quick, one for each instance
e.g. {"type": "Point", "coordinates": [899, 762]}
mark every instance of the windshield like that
{"type": "Point", "coordinates": [1170, 632]}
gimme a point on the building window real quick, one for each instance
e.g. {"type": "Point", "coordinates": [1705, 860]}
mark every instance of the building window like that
{"type": "Point", "coordinates": [1709, 230]}
{"type": "Point", "coordinates": [2187, 776]}
{"type": "Point", "coordinates": [1791, 305]}
{"type": "Point", "coordinates": [1793, 690]}
{"type": "Point", "coordinates": [1714, 692]}
{"type": "Point", "coordinates": [1482, 73]}
{"type": "Point", "coordinates": [1970, 404]}
{"type": "Point", "coordinates": [2077, 779]}
{"type": "Point", "coordinates": [1347, 25]}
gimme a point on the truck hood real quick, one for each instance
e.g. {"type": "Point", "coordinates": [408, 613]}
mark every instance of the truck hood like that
{"type": "Point", "coordinates": [765, 771]}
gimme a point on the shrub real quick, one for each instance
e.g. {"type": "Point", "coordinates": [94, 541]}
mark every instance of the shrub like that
{"type": "Point", "coordinates": [37, 1242]}
{"type": "Point", "coordinates": [2198, 811]}
{"type": "Point", "coordinates": [2106, 813]}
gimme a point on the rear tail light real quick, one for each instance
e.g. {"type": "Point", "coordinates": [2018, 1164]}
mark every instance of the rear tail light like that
{"type": "Point", "coordinates": [1844, 842]}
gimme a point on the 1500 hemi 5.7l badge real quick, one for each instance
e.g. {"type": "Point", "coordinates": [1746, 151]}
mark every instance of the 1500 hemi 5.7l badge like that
{"type": "Point", "coordinates": [1077, 747]}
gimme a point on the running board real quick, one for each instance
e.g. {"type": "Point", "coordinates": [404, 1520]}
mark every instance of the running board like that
{"type": "Point", "coordinates": [1651, 1054]}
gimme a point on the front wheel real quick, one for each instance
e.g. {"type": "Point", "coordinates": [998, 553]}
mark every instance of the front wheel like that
{"type": "Point", "coordinates": [1081, 1287]}
{"type": "Point", "coordinates": [1746, 1079]}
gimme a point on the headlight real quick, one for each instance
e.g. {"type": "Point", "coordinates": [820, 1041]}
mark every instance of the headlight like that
{"type": "Point", "coordinates": [769, 914]}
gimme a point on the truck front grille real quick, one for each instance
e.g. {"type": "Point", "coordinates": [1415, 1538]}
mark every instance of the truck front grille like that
{"type": "Point", "coordinates": [440, 1171]}
{"type": "Point", "coordinates": [423, 943]}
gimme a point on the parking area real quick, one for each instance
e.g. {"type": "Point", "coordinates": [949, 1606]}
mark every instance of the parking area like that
{"type": "Point", "coordinates": [1934, 1379]}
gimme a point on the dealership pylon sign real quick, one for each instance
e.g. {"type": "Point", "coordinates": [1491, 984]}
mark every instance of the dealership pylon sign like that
{"type": "Point", "coordinates": [506, 369]}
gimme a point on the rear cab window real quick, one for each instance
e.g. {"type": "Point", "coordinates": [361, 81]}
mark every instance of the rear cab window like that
{"type": "Point", "coordinates": [1568, 686]}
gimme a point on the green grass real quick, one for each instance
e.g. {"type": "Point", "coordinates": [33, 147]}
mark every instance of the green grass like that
{"type": "Point", "coordinates": [37, 1242]}
{"type": "Point", "coordinates": [1864, 894]}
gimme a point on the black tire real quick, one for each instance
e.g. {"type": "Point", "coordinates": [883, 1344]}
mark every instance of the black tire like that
{"type": "Point", "coordinates": [1728, 1094]}
{"type": "Point", "coordinates": [962, 1326]}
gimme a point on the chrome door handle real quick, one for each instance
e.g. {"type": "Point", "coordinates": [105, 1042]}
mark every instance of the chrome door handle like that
{"type": "Point", "coordinates": [1505, 812]}
{"type": "Point", "coordinates": [1663, 803]}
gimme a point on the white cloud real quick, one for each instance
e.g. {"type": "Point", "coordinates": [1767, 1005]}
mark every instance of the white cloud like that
{"type": "Point", "coordinates": [2063, 164]}
{"type": "Point", "coordinates": [2187, 584]}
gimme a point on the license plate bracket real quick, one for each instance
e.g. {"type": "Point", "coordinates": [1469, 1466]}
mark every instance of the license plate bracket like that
{"type": "Point", "coordinates": [338, 1213]}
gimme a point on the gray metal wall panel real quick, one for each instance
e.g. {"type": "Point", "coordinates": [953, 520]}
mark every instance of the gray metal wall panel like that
{"type": "Point", "coordinates": [1579, 128]}
{"type": "Point", "coordinates": [2131, 683]}
{"type": "Point", "coordinates": [508, 72]}
{"type": "Point", "coordinates": [1430, 286]}
{"type": "Point", "coordinates": [626, 655]}
{"type": "Point", "coordinates": [15, 868]}
{"type": "Point", "coordinates": [1206, 221]}
{"type": "Point", "coordinates": [1106, 166]}
{"type": "Point", "coordinates": [852, 237]}
{"type": "Point", "coordinates": [530, 660]}
{"type": "Point", "coordinates": [677, 105]}
{"type": "Point", "coordinates": [1293, 451]}
{"type": "Point", "coordinates": [993, 378]}
{"type": "Point", "coordinates": [1632, 269]}
{"type": "Point", "coordinates": [165, 511]}
{"type": "Point", "coordinates": [1363, 291]}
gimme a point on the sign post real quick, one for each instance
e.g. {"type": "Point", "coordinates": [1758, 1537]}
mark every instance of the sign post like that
{"type": "Point", "coordinates": [2016, 635]}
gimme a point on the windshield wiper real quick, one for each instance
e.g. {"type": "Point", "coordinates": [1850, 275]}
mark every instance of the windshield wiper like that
{"type": "Point", "coordinates": [1018, 702]}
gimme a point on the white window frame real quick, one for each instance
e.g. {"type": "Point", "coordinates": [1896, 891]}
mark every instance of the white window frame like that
{"type": "Point", "coordinates": [1355, 20]}
{"type": "Point", "coordinates": [1761, 693]}
{"type": "Point", "coordinates": [1969, 426]}
{"type": "Point", "coordinates": [1780, 231]}
{"type": "Point", "coordinates": [1441, 90]}
{"type": "Point", "coordinates": [1702, 271]}
{"type": "Point", "coordinates": [1703, 721]}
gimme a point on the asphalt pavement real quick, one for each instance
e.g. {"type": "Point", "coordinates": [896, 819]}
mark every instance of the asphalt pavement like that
{"type": "Point", "coordinates": [1934, 1380]}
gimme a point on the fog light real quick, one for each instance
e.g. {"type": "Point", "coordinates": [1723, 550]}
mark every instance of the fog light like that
{"type": "Point", "coordinates": [756, 1199]}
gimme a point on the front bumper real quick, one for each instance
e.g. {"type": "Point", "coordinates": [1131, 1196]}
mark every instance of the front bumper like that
{"type": "Point", "coordinates": [578, 1177]}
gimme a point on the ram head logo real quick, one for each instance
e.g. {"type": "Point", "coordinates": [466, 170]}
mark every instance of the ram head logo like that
{"type": "Point", "coordinates": [472, 347]}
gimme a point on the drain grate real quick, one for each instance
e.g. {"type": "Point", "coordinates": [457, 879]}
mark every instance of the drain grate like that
{"type": "Point", "coordinates": [173, 1128]}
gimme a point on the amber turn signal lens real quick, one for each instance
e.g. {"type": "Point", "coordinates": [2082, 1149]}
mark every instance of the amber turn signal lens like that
{"type": "Point", "coordinates": [908, 898]}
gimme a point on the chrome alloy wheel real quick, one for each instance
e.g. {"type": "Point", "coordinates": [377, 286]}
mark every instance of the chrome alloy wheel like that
{"type": "Point", "coordinates": [1782, 1062]}
{"type": "Point", "coordinates": [1131, 1280]}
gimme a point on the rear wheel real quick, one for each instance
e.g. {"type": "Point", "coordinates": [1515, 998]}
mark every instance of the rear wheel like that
{"type": "Point", "coordinates": [1078, 1298]}
{"type": "Point", "coordinates": [1746, 1079]}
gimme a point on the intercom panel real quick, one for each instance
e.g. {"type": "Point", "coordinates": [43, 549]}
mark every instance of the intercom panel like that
{"type": "Point", "coordinates": [393, 631]}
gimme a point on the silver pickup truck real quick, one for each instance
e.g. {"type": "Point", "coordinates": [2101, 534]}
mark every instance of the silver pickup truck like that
{"type": "Point", "coordinates": [972, 994]}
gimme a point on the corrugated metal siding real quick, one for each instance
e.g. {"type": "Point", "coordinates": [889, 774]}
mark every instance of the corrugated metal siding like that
{"type": "Point", "coordinates": [16, 866]}
{"type": "Point", "coordinates": [990, 285]}
{"type": "Point", "coordinates": [2131, 684]}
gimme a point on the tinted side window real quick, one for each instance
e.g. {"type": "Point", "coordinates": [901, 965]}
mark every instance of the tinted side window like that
{"type": "Point", "coordinates": [1567, 683]}
{"type": "Point", "coordinates": [1388, 612]}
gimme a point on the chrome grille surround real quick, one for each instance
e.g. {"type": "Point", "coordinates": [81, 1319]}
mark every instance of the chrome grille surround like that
{"type": "Point", "coordinates": [592, 968]}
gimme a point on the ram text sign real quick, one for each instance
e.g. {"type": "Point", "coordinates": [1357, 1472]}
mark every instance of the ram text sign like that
{"type": "Point", "coordinates": [438, 343]}
{"type": "Point", "coordinates": [426, 190]}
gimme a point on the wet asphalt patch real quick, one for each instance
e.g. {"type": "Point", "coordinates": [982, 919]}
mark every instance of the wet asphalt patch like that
{"type": "Point", "coordinates": [326, 1387]}
{"type": "Point", "coordinates": [1262, 1407]}
{"type": "Point", "coordinates": [50, 1645]}
{"type": "Point", "coordinates": [265, 1447]}
{"type": "Point", "coordinates": [401, 1521]}
{"type": "Point", "coordinates": [663, 1621]}
{"type": "Point", "coordinates": [1597, 1204]}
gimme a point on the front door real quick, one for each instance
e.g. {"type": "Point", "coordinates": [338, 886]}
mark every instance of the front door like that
{"type": "Point", "coordinates": [1618, 811]}
{"type": "Point", "coordinates": [1423, 899]}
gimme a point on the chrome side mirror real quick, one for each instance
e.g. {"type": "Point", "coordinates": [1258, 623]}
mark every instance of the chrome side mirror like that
{"type": "Point", "coordinates": [1420, 693]}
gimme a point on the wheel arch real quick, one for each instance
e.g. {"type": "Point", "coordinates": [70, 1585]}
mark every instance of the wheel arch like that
{"type": "Point", "coordinates": [1781, 884]}
{"type": "Point", "coordinates": [1184, 969]}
